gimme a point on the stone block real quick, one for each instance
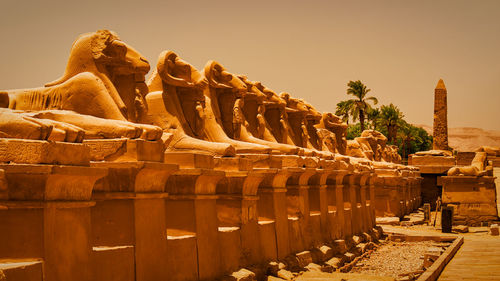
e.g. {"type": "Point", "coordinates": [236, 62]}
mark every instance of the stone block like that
{"type": "Point", "coordinates": [335, 262]}
{"type": "Point", "coordinates": [273, 268]}
{"type": "Point", "coordinates": [123, 150]}
{"type": "Point", "coordinates": [304, 258]}
{"type": "Point", "coordinates": [460, 228]}
{"type": "Point", "coordinates": [22, 270]}
{"type": "Point", "coordinates": [113, 263]}
{"type": "Point", "coordinates": [356, 239]}
{"type": "Point", "coordinates": [366, 237]}
{"type": "Point", "coordinates": [233, 164]}
{"type": "Point", "coordinates": [494, 230]}
{"type": "Point", "coordinates": [47, 182]}
{"type": "Point", "coordinates": [428, 160]}
{"type": "Point", "coordinates": [339, 246]}
{"type": "Point", "coordinates": [285, 274]}
{"type": "Point", "coordinates": [313, 267]}
{"type": "Point", "coordinates": [322, 253]}
{"type": "Point", "coordinates": [43, 152]}
{"type": "Point", "coordinates": [241, 275]}
{"type": "Point", "coordinates": [190, 160]}
{"type": "Point", "coordinates": [349, 256]}
{"type": "Point", "coordinates": [142, 177]}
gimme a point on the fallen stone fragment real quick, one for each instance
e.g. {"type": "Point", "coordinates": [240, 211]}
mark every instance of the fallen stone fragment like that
{"type": "Point", "coordinates": [321, 254]}
{"type": "Point", "coordinates": [494, 230]}
{"type": "Point", "coordinates": [349, 256]}
{"type": "Point", "coordinates": [241, 275]}
{"type": "Point", "coordinates": [273, 268]}
{"type": "Point", "coordinates": [388, 220]}
{"type": "Point", "coordinates": [356, 239]}
{"type": "Point", "coordinates": [362, 247]}
{"type": "Point", "coordinates": [285, 274]}
{"type": "Point", "coordinates": [304, 258]}
{"type": "Point", "coordinates": [407, 223]}
{"type": "Point", "coordinates": [460, 228]}
{"type": "Point", "coordinates": [339, 246]}
{"type": "Point", "coordinates": [313, 267]}
{"type": "Point", "coordinates": [366, 237]}
{"type": "Point", "coordinates": [335, 262]}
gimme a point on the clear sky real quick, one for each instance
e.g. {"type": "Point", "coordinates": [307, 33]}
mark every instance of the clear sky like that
{"type": "Point", "coordinates": [311, 49]}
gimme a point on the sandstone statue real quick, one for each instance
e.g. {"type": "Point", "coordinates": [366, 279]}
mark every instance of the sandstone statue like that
{"type": "Point", "coordinates": [477, 167]}
{"type": "Point", "coordinates": [104, 79]}
{"type": "Point", "coordinates": [177, 104]}
{"type": "Point", "coordinates": [334, 124]}
{"type": "Point", "coordinates": [237, 106]}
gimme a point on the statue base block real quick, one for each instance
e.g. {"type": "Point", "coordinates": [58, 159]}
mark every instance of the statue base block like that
{"type": "Point", "coordinates": [43, 152]}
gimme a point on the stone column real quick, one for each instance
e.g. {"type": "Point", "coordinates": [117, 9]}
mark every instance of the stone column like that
{"type": "Point", "coordinates": [192, 198]}
{"type": "Point", "coordinates": [364, 208]}
{"type": "Point", "coordinates": [130, 212]}
{"type": "Point", "coordinates": [46, 215]}
{"type": "Point", "coordinates": [272, 210]}
{"type": "Point", "coordinates": [440, 128]}
{"type": "Point", "coordinates": [298, 208]}
{"type": "Point", "coordinates": [371, 187]}
{"type": "Point", "coordinates": [318, 205]}
{"type": "Point", "coordinates": [237, 213]}
{"type": "Point", "coordinates": [335, 202]}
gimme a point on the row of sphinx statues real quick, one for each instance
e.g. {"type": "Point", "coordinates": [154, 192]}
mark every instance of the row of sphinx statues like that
{"type": "Point", "coordinates": [103, 93]}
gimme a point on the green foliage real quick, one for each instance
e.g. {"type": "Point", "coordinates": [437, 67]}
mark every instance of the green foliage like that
{"type": "Point", "coordinates": [411, 139]}
{"type": "Point", "coordinates": [353, 131]}
{"type": "Point", "coordinates": [373, 115]}
{"type": "Point", "coordinates": [388, 119]}
{"type": "Point", "coordinates": [343, 110]}
{"type": "Point", "coordinates": [358, 106]}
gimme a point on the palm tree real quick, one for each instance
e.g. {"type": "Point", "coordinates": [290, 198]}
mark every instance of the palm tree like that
{"type": "Point", "coordinates": [344, 108]}
{"type": "Point", "coordinates": [373, 114]}
{"type": "Point", "coordinates": [360, 103]}
{"type": "Point", "coordinates": [408, 134]}
{"type": "Point", "coordinates": [390, 117]}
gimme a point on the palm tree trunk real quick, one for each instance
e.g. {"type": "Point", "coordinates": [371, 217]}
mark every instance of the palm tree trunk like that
{"type": "Point", "coordinates": [362, 119]}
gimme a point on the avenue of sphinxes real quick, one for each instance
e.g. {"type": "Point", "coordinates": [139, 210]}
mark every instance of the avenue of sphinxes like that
{"type": "Point", "coordinates": [192, 174]}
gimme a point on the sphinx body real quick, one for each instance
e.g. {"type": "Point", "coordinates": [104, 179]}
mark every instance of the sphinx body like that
{"type": "Point", "coordinates": [236, 104]}
{"type": "Point", "coordinates": [104, 79]}
{"type": "Point", "coordinates": [302, 119]}
{"type": "Point", "coordinates": [476, 168]}
{"type": "Point", "coordinates": [334, 124]}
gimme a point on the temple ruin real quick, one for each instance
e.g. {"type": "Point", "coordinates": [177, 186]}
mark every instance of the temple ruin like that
{"type": "Point", "coordinates": [190, 175]}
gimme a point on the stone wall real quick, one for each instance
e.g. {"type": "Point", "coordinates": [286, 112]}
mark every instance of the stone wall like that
{"type": "Point", "coordinates": [189, 217]}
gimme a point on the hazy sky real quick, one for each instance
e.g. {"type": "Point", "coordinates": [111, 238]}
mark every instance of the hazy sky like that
{"type": "Point", "coordinates": [311, 49]}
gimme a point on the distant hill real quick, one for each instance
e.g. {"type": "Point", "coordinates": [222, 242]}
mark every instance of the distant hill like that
{"type": "Point", "coordinates": [468, 138]}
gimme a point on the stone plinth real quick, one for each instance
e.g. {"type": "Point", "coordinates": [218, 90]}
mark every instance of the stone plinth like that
{"type": "Point", "coordinates": [126, 199]}
{"type": "Point", "coordinates": [335, 203]}
{"type": "Point", "coordinates": [125, 150]}
{"type": "Point", "coordinates": [192, 210]}
{"type": "Point", "coordinates": [473, 198]}
{"type": "Point", "coordinates": [47, 216]}
{"type": "Point", "coordinates": [47, 182]}
{"type": "Point", "coordinates": [43, 152]}
{"type": "Point", "coordinates": [273, 217]}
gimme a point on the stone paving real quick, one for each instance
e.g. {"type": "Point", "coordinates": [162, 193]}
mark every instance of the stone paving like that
{"type": "Point", "coordinates": [477, 259]}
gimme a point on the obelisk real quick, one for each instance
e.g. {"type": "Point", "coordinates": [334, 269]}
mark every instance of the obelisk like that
{"type": "Point", "coordinates": [440, 129]}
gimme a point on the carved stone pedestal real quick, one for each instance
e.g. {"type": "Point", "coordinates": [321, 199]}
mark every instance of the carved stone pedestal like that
{"type": "Point", "coordinates": [46, 215]}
